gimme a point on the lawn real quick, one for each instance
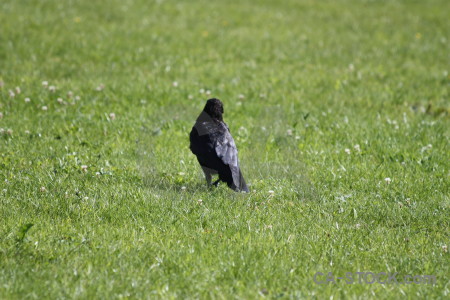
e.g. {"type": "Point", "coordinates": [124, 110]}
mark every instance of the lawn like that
{"type": "Point", "coordinates": [340, 111]}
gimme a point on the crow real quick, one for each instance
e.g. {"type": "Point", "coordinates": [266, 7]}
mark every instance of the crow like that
{"type": "Point", "coordinates": [212, 143]}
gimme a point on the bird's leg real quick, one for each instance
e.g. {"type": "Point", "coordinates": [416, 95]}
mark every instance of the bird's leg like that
{"type": "Point", "coordinates": [207, 175]}
{"type": "Point", "coordinates": [208, 178]}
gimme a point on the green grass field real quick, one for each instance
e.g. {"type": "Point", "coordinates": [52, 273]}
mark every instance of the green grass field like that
{"type": "Point", "coordinates": [340, 111]}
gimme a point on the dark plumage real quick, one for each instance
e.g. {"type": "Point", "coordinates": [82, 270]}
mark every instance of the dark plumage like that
{"type": "Point", "coordinates": [214, 147]}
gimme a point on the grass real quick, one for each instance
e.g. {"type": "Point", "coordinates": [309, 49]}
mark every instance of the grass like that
{"type": "Point", "coordinates": [301, 81]}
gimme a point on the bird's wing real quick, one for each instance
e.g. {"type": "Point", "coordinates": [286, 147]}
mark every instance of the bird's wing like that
{"type": "Point", "coordinates": [227, 152]}
{"type": "Point", "coordinates": [226, 148]}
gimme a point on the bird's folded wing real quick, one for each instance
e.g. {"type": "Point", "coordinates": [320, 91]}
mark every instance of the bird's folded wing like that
{"type": "Point", "coordinates": [226, 149]}
{"type": "Point", "coordinates": [227, 152]}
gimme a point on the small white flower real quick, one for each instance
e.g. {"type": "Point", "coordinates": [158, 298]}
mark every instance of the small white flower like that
{"type": "Point", "coordinates": [100, 87]}
{"type": "Point", "coordinates": [190, 97]}
{"type": "Point", "coordinates": [112, 116]}
{"type": "Point", "coordinates": [1, 115]}
{"type": "Point", "coordinates": [181, 173]}
{"type": "Point", "coordinates": [289, 132]}
{"type": "Point", "coordinates": [239, 103]}
{"type": "Point", "coordinates": [69, 94]}
{"type": "Point", "coordinates": [84, 168]}
{"type": "Point", "coordinates": [77, 98]}
{"type": "Point", "coordinates": [201, 91]}
{"type": "Point", "coordinates": [45, 84]}
{"type": "Point", "coordinates": [2, 130]}
{"type": "Point", "coordinates": [4, 190]}
{"type": "Point", "coordinates": [60, 100]}
{"type": "Point", "coordinates": [387, 180]}
{"type": "Point", "coordinates": [27, 100]}
{"type": "Point", "coordinates": [271, 193]}
{"type": "Point", "coordinates": [444, 248]}
{"type": "Point", "coordinates": [358, 226]}
{"type": "Point", "coordinates": [44, 108]}
{"type": "Point", "coordinates": [175, 84]}
{"type": "Point", "coordinates": [52, 88]}
{"type": "Point", "coordinates": [262, 95]}
{"type": "Point", "coordinates": [11, 94]}
{"type": "Point", "coordinates": [18, 90]}
{"type": "Point", "coordinates": [27, 132]}
{"type": "Point", "coordinates": [183, 188]}
{"type": "Point", "coordinates": [86, 198]}
{"type": "Point", "coordinates": [347, 151]}
{"type": "Point", "coordinates": [241, 96]}
{"type": "Point", "coordinates": [297, 137]}
{"type": "Point", "coordinates": [97, 173]}
{"type": "Point", "coordinates": [357, 148]}
{"type": "Point", "coordinates": [43, 189]}
{"type": "Point", "coordinates": [208, 92]}
{"type": "Point", "coordinates": [9, 132]}
{"type": "Point", "coordinates": [427, 147]}
{"type": "Point", "coordinates": [200, 201]}
{"type": "Point", "coordinates": [351, 67]}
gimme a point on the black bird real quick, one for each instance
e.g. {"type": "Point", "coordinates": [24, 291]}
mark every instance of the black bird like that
{"type": "Point", "coordinates": [212, 143]}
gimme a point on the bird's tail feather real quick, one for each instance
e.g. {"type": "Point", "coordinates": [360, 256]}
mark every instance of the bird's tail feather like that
{"type": "Point", "coordinates": [242, 185]}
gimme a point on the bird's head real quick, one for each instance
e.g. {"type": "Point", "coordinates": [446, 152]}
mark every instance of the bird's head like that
{"type": "Point", "coordinates": [214, 108]}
